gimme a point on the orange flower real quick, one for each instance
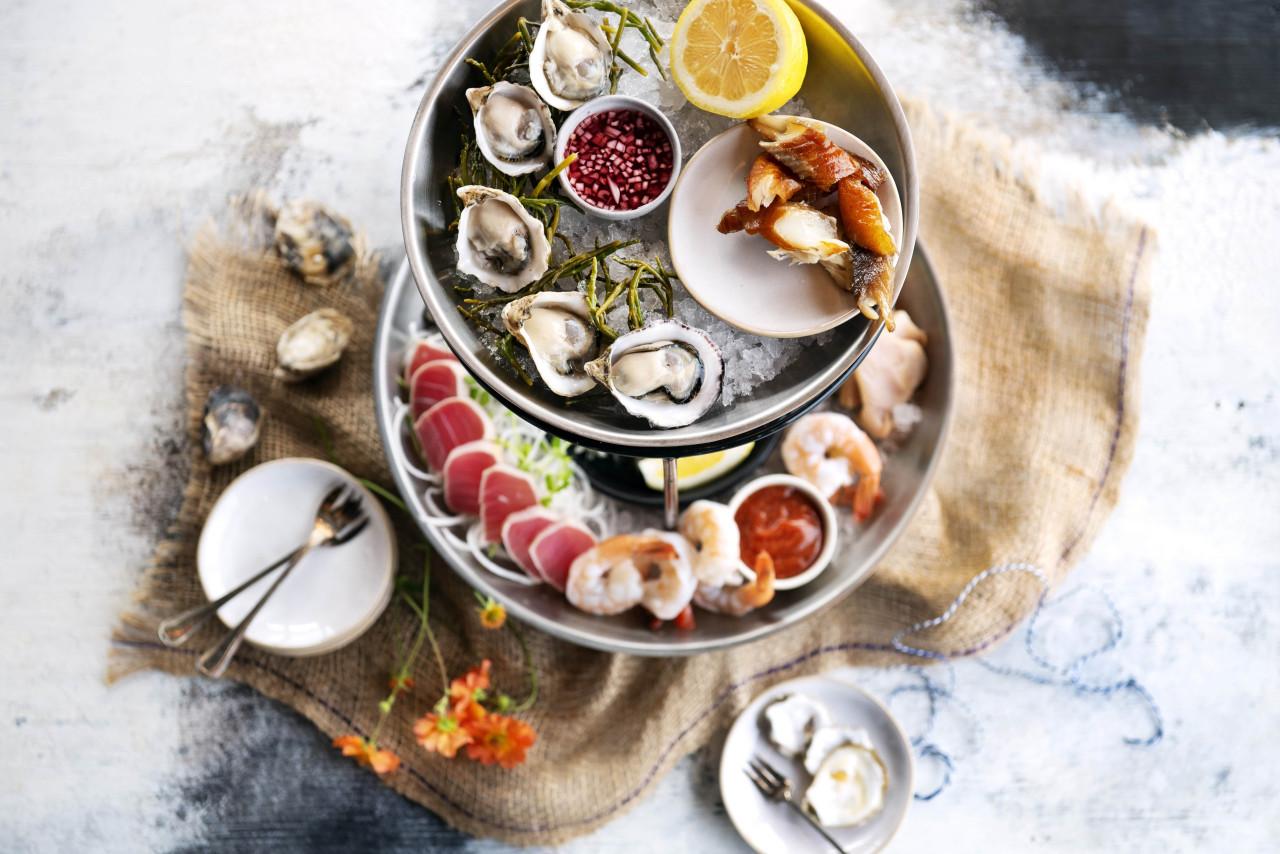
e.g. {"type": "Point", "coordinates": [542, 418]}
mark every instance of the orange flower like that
{"type": "Point", "coordinates": [500, 739]}
{"type": "Point", "coordinates": [401, 684]}
{"type": "Point", "coordinates": [367, 754]}
{"type": "Point", "coordinates": [441, 733]}
{"type": "Point", "coordinates": [471, 687]}
{"type": "Point", "coordinates": [492, 614]}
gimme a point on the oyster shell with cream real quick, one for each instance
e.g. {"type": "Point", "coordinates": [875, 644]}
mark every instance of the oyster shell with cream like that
{"type": "Point", "coordinates": [667, 373]}
{"type": "Point", "coordinates": [513, 127]}
{"type": "Point", "coordinates": [498, 241]}
{"type": "Point", "coordinates": [556, 328]}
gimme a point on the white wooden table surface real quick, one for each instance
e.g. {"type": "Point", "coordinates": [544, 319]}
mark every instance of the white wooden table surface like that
{"type": "Point", "coordinates": [122, 125]}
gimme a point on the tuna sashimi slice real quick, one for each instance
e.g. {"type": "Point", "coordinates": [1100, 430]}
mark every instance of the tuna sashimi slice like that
{"type": "Point", "coordinates": [436, 381]}
{"type": "Point", "coordinates": [447, 425]}
{"type": "Point", "coordinates": [555, 549]}
{"type": "Point", "coordinates": [425, 350]}
{"type": "Point", "coordinates": [462, 471]}
{"type": "Point", "coordinates": [519, 531]}
{"type": "Point", "coordinates": [503, 491]}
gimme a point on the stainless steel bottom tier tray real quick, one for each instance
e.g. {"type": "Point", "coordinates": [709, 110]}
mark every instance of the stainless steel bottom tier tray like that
{"type": "Point", "coordinates": [908, 471]}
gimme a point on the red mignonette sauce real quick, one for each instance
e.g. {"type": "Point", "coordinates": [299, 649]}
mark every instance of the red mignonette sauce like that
{"type": "Point", "coordinates": [624, 160]}
{"type": "Point", "coordinates": [784, 522]}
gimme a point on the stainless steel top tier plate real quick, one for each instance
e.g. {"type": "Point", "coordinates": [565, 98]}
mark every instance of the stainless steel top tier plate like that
{"type": "Point", "coordinates": [843, 86]}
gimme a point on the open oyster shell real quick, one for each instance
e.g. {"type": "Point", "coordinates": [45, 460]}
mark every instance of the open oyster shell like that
{"type": "Point", "coordinates": [498, 241]}
{"type": "Point", "coordinates": [570, 61]}
{"type": "Point", "coordinates": [513, 127]}
{"type": "Point", "coordinates": [557, 330]}
{"type": "Point", "coordinates": [312, 343]}
{"type": "Point", "coordinates": [667, 373]}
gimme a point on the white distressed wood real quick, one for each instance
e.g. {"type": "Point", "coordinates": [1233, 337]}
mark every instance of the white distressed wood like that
{"type": "Point", "coordinates": [124, 125]}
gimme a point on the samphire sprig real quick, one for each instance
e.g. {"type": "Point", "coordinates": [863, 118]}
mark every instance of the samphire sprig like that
{"type": "Point", "coordinates": [640, 24]}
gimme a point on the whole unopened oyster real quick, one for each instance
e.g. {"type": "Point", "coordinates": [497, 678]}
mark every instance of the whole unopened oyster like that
{"type": "Point", "coordinates": [312, 344]}
{"type": "Point", "coordinates": [230, 426]}
{"type": "Point", "coordinates": [315, 242]}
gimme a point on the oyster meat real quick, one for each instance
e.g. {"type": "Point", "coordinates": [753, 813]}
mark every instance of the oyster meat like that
{"type": "Point", "coordinates": [557, 330]}
{"type": "Point", "coordinates": [570, 61]}
{"type": "Point", "coordinates": [513, 127]}
{"type": "Point", "coordinates": [498, 241]}
{"type": "Point", "coordinates": [229, 426]}
{"type": "Point", "coordinates": [667, 373]}
{"type": "Point", "coordinates": [314, 242]}
{"type": "Point", "coordinates": [312, 344]}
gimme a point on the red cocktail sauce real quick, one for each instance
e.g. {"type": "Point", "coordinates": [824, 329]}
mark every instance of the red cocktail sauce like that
{"type": "Point", "coordinates": [784, 522]}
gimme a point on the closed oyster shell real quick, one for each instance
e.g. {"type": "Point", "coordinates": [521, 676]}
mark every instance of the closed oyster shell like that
{"type": "Point", "coordinates": [229, 425]}
{"type": "Point", "coordinates": [315, 242]}
{"type": "Point", "coordinates": [312, 343]}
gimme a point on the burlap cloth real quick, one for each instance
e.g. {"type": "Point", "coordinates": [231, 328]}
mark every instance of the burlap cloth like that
{"type": "Point", "coordinates": [1049, 308]}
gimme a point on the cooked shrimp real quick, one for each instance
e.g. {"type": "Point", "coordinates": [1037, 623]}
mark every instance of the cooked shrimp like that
{"type": "Point", "coordinates": [605, 579]}
{"type": "Point", "coordinates": [828, 449]}
{"type": "Point", "coordinates": [711, 530]}
{"type": "Point", "coordinates": [742, 598]}
{"type": "Point", "coordinates": [664, 564]}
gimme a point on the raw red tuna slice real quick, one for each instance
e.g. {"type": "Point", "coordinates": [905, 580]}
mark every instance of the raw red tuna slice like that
{"type": "Point", "coordinates": [434, 382]}
{"type": "Point", "coordinates": [425, 350]}
{"type": "Point", "coordinates": [447, 425]}
{"type": "Point", "coordinates": [519, 531]}
{"type": "Point", "coordinates": [503, 491]}
{"type": "Point", "coordinates": [463, 468]}
{"type": "Point", "coordinates": [555, 548]}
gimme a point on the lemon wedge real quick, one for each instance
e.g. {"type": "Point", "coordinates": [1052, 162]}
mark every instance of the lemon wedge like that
{"type": "Point", "coordinates": [695, 471]}
{"type": "Point", "coordinates": [738, 58]}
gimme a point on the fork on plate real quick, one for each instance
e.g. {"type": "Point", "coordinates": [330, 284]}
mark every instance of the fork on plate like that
{"type": "Point", "coordinates": [775, 786]}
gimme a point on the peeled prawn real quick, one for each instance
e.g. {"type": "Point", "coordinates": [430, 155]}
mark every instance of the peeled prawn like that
{"type": "Point", "coordinates": [828, 450]}
{"type": "Point", "coordinates": [667, 569]}
{"type": "Point", "coordinates": [711, 530]}
{"type": "Point", "coordinates": [605, 579]}
{"type": "Point", "coordinates": [741, 598]}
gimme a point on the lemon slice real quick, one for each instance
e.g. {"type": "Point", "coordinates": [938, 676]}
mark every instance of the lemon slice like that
{"type": "Point", "coordinates": [695, 471]}
{"type": "Point", "coordinates": [738, 58]}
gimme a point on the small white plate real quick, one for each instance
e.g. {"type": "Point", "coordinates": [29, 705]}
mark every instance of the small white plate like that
{"type": "Point", "coordinates": [729, 274]}
{"type": "Point", "coordinates": [333, 596]}
{"type": "Point", "coordinates": [774, 828]}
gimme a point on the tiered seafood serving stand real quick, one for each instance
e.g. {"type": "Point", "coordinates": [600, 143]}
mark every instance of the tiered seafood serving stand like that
{"type": "Point", "coordinates": [844, 86]}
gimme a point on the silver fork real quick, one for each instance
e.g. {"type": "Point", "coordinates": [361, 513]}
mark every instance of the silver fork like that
{"type": "Point", "coordinates": [776, 787]}
{"type": "Point", "coordinates": [339, 519]}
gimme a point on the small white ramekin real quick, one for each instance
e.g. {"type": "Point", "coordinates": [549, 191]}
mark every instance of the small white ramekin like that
{"type": "Point", "coordinates": [602, 105]}
{"type": "Point", "coordinates": [830, 527]}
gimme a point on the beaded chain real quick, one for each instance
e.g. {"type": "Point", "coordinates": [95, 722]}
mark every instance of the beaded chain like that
{"type": "Point", "coordinates": [1068, 676]}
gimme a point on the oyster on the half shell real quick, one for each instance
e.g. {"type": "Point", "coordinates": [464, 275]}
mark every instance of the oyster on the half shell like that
{"type": "Point", "coordinates": [570, 60]}
{"type": "Point", "coordinates": [667, 373]}
{"type": "Point", "coordinates": [513, 127]}
{"type": "Point", "coordinates": [498, 241]}
{"type": "Point", "coordinates": [556, 328]}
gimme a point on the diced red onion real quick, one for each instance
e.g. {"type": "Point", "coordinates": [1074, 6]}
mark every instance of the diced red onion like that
{"type": "Point", "coordinates": [624, 160]}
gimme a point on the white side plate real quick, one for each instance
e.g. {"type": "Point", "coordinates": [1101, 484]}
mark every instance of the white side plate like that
{"type": "Point", "coordinates": [774, 828]}
{"type": "Point", "coordinates": [333, 596]}
{"type": "Point", "coordinates": [731, 275]}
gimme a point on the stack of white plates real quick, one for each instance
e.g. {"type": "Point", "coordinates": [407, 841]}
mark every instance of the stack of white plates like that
{"type": "Point", "coordinates": [333, 596]}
